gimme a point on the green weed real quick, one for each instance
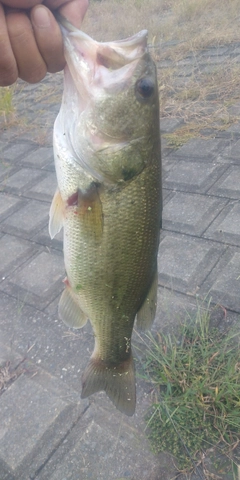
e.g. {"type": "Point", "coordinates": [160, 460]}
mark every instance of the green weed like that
{"type": "Point", "coordinates": [197, 383]}
{"type": "Point", "coordinates": [6, 101]}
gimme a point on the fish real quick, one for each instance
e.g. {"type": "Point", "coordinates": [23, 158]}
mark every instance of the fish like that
{"type": "Point", "coordinates": [107, 155]}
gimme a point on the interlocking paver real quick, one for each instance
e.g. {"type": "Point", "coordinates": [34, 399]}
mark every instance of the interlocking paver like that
{"type": "Point", "coordinates": [17, 151]}
{"type": "Point", "coordinates": [112, 442]}
{"type": "Point", "coordinates": [10, 244]}
{"type": "Point", "coordinates": [228, 185]}
{"type": "Point", "coordinates": [27, 220]}
{"type": "Point", "coordinates": [191, 213]}
{"type": "Point", "coordinates": [38, 281]}
{"type": "Point", "coordinates": [226, 227]}
{"type": "Point", "coordinates": [192, 177]}
{"type": "Point", "coordinates": [201, 148]}
{"type": "Point", "coordinates": [8, 205]}
{"type": "Point", "coordinates": [223, 282]}
{"type": "Point", "coordinates": [45, 189]}
{"type": "Point", "coordinates": [33, 421]}
{"type": "Point", "coordinates": [40, 157]}
{"type": "Point", "coordinates": [183, 264]}
{"type": "Point", "coordinates": [57, 437]}
{"type": "Point", "coordinates": [230, 154]}
{"type": "Point", "coordinates": [21, 180]}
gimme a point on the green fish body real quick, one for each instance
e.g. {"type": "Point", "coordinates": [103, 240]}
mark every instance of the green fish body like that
{"type": "Point", "coordinates": [109, 201]}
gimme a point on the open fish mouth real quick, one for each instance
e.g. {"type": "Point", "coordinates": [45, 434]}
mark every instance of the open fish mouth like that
{"type": "Point", "coordinates": [106, 65]}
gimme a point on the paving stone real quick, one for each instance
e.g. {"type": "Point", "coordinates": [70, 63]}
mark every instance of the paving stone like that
{"type": "Point", "coordinates": [173, 309]}
{"type": "Point", "coordinates": [50, 167]}
{"type": "Point", "coordinates": [198, 147]}
{"type": "Point", "coordinates": [100, 449]}
{"type": "Point", "coordinates": [224, 281]}
{"type": "Point", "coordinates": [215, 51]}
{"type": "Point", "coordinates": [8, 205]}
{"type": "Point", "coordinates": [33, 421]}
{"type": "Point", "coordinates": [230, 154]}
{"type": "Point", "coordinates": [45, 189]}
{"type": "Point", "coordinates": [192, 176]}
{"type": "Point", "coordinates": [13, 252]}
{"type": "Point", "coordinates": [39, 158]}
{"type": "Point", "coordinates": [28, 219]}
{"type": "Point", "coordinates": [183, 265]}
{"type": "Point", "coordinates": [191, 213]}
{"type": "Point", "coordinates": [236, 50]}
{"type": "Point", "coordinates": [6, 169]}
{"type": "Point", "coordinates": [16, 151]}
{"type": "Point", "coordinates": [212, 60]}
{"type": "Point", "coordinates": [235, 109]}
{"type": "Point", "coordinates": [46, 341]}
{"type": "Point", "coordinates": [235, 128]}
{"type": "Point", "coordinates": [8, 355]}
{"type": "Point", "coordinates": [21, 180]}
{"type": "Point", "coordinates": [168, 125]}
{"type": "Point", "coordinates": [38, 281]}
{"type": "Point", "coordinates": [228, 184]}
{"type": "Point", "coordinates": [186, 71]}
{"type": "Point", "coordinates": [226, 227]}
{"type": "Point", "coordinates": [237, 59]}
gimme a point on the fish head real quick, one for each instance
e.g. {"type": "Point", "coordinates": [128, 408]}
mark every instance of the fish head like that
{"type": "Point", "coordinates": [111, 100]}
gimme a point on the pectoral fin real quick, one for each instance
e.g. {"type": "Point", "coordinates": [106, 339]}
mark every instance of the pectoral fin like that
{"type": "Point", "coordinates": [146, 314]}
{"type": "Point", "coordinates": [89, 210]}
{"type": "Point", "coordinates": [69, 310]}
{"type": "Point", "coordinates": [56, 215]}
{"type": "Point", "coordinates": [118, 382]}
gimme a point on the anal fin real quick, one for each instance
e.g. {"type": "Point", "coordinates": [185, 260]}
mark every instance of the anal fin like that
{"type": "Point", "coordinates": [69, 310]}
{"type": "Point", "coordinates": [56, 215]}
{"type": "Point", "coordinates": [146, 314]}
{"type": "Point", "coordinates": [117, 381]}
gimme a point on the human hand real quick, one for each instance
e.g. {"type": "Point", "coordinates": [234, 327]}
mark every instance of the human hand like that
{"type": "Point", "coordinates": [30, 38]}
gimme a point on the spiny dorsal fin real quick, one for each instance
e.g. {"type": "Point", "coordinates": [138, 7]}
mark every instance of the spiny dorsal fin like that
{"type": "Point", "coordinates": [56, 215]}
{"type": "Point", "coordinates": [146, 314]}
{"type": "Point", "coordinates": [69, 310]}
{"type": "Point", "coordinates": [117, 381]}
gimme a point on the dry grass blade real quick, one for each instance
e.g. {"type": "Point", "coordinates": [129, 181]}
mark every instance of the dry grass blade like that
{"type": "Point", "coordinates": [7, 375]}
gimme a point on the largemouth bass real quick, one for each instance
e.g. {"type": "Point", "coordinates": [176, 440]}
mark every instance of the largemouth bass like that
{"type": "Point", "coordinates": [109, 202]}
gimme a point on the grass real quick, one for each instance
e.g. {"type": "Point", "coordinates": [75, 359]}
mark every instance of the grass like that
{"type": "Point", "coordinates": [6, 102]}
{"type": "Point", "coordinates": [194, 23]}
{"type": "Point", "coordinates": [196, 378]}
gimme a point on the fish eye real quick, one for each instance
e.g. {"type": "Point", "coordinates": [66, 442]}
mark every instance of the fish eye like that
{"type": "Point", "coordinates": [145, 87]}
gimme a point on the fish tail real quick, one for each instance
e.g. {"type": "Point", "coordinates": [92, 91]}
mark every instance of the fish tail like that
{"type": "Point", "coordinates": [117, 381]}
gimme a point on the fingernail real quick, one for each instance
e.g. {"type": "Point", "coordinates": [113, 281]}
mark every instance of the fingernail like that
{"type": "Point", "coordinates": [41, 17]}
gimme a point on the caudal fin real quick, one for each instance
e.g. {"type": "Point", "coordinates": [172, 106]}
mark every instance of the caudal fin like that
{"type": "Point", "coordinates": [118, 382]}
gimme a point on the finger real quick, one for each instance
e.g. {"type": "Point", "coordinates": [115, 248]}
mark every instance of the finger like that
{"type": "Point", "coordinates": [73, 10]}
{"type": "Point", "coordinates": [31, 66]}
{"type": "Point", "coordinates": [48, 37]}
{"type": "Point", "coordinates": [8, 66]}
{"type": "Point", "coordinates": [21, 3]}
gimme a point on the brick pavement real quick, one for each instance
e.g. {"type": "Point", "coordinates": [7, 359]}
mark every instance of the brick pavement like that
{"type": "Point", "coordinates": [46, 432]}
